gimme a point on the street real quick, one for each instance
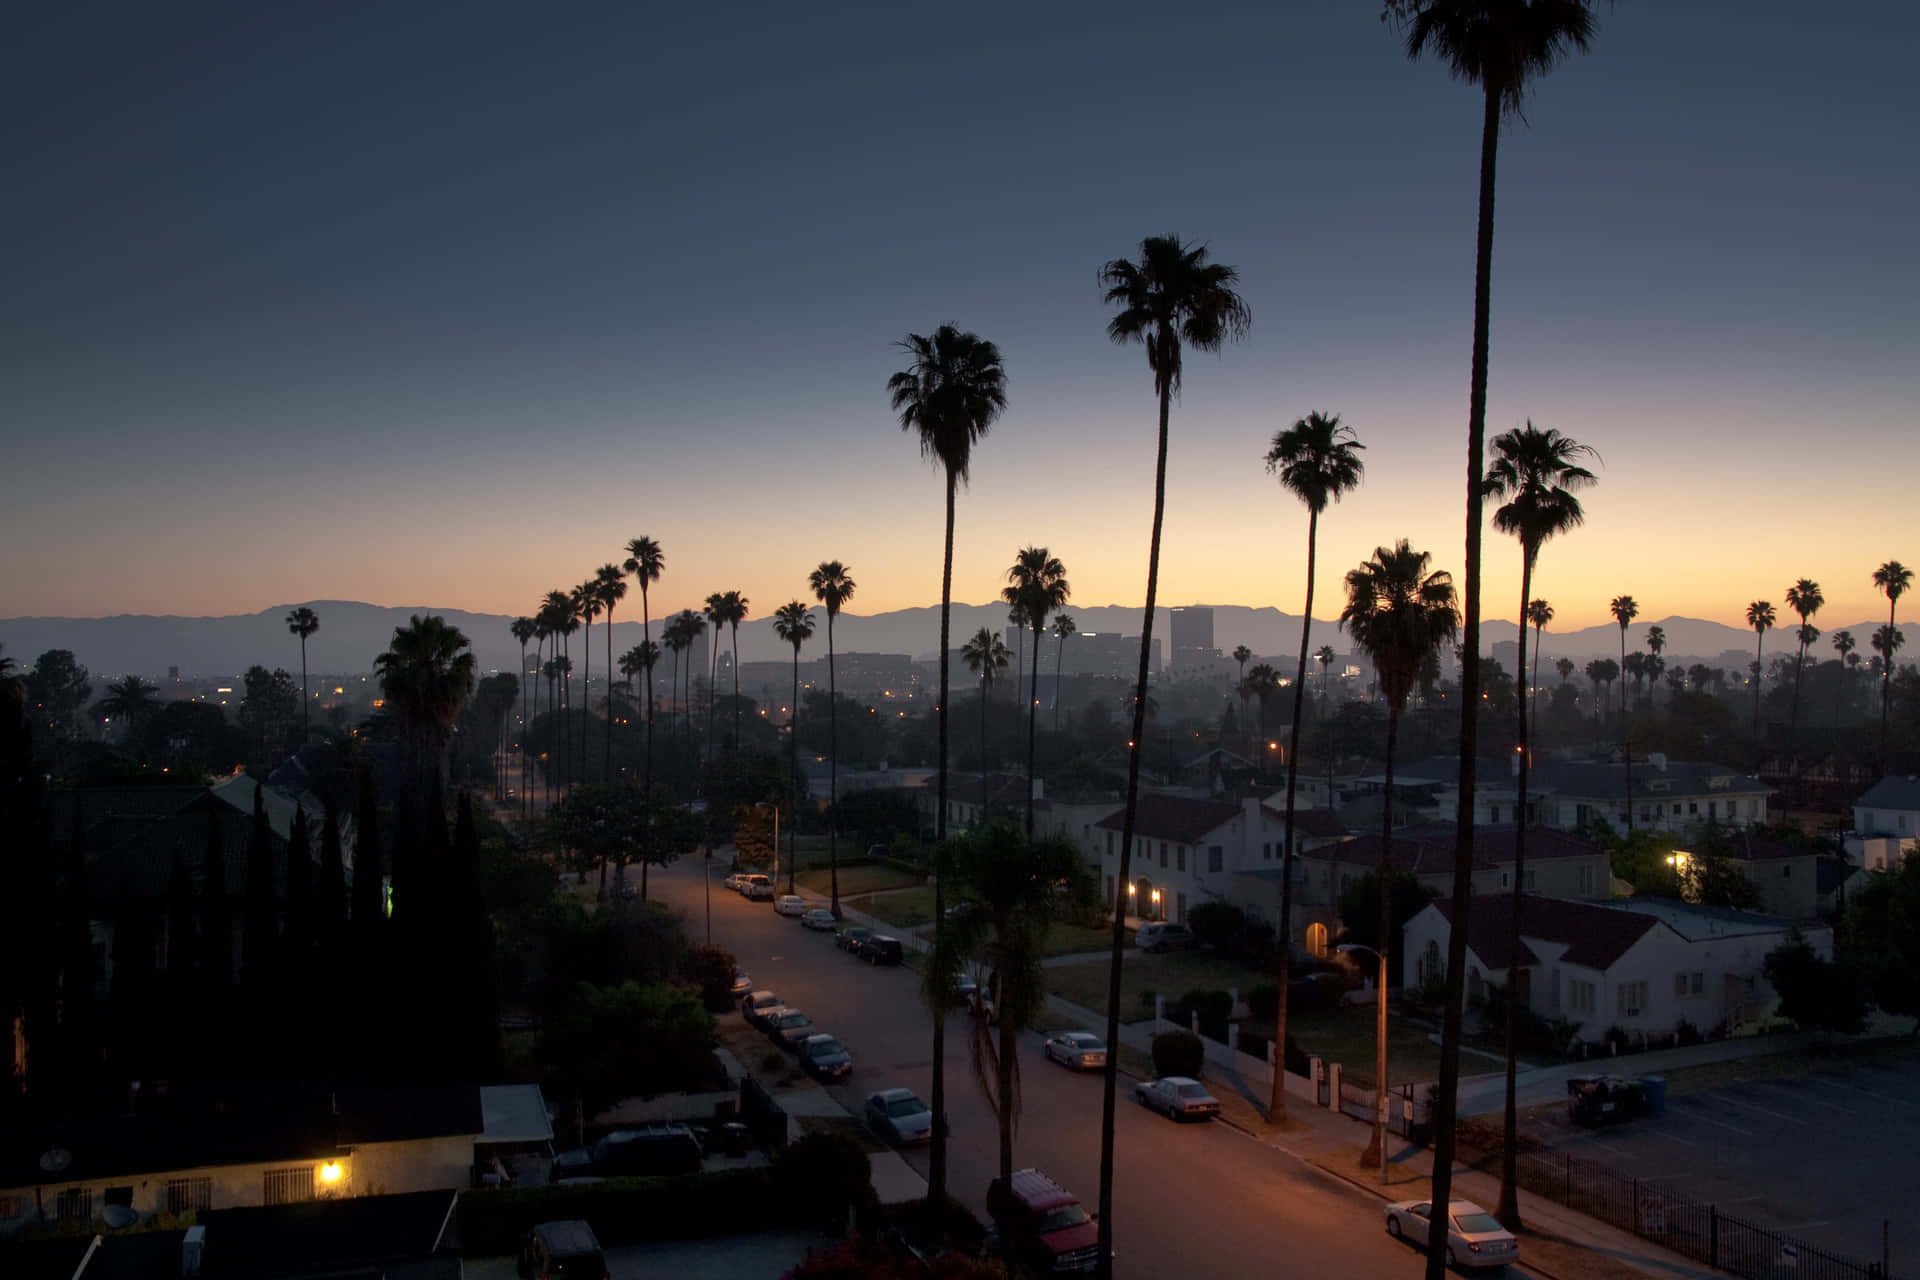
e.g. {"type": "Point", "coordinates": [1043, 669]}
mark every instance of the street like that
{"type": "Point", "coordinates": [1188, 1199]}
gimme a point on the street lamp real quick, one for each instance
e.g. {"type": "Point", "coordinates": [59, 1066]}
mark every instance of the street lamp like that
{"type": "Point", "coordinates": [1376, 1153]}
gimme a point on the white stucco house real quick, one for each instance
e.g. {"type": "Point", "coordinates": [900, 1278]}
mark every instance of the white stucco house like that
{"type": "Point", "coordinates": [1886, 823]}
{"type": "Point", "coordinates": [1644, 965]}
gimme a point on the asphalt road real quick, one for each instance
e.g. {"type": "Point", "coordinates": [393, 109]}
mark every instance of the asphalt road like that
{"type": "Point", "coordinates": [1200, 1199]}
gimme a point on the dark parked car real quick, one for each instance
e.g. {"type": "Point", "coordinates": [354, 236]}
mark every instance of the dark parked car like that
{"type": "Point", "coordinates": [881, 949]}
{"type": "Point", "coordinates": [852, 938]}
{"type": "Point", "coordinates": [756, 1007]}
{"type": "Point", "coordinates": [824, 1058]}
{"type": "Point", "coordinates": [562, 1251]}
{"type": "Point", "coordinates": [1164, 937]}
{"type": "Point", "coordinates": [788, 1027]}
{"type": "Point", "coordinates": [1598, 1100]}
{"type": "Point", "coordinates": [647, 1151]}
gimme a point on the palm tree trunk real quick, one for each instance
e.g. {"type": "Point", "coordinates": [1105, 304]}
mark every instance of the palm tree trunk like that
{"type": "Point", "coordinates": [1509, 1210]}
{"type": "Point", "coordinates": [735, 628]}
{"type": "Point", "coordinates": [1277, 1099]}
{"type": "Point", "coordinates": [1469, 691]}
{"type": "Point", "coordinates": [793, 766]}
{"type": "Point", "coordinates": [1375, 1156]}
{"type": "Point", "coordinates": [833, 775]}
{"type": "Point", "coordinates": [606, 759]}
{"type": "Point", "coordinates": [1886, 696]}
{"type": "Point", "coordinates": [1033, 718]}
{"type": "Point", "coordinates": [937, 1154]}
{"type": "Point", "coordinates": [1534, 709]}
{"type": "Point", "coordinates": [303, 691]}
{"type": "Point", "coordinates": [1759, 643]}
{"type": "Point", "coordinates": [1059, 681]}
{"type": "Point", "coordinates": [1007, 1071]}
{"type": "Point", "coordinates": [646, 651]}
{"type": "Point", "coordinates": [986, 689]}
{"type": "Point", "coordinates": [1110, 1078]}
{"type": "Point", "coordinates": [1626, 730]}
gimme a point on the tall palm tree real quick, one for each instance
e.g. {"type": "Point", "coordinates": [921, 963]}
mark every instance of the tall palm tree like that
{"type": "Point", "coordinates": [613, 588]}
{"type": "Point", "coordinates": [131, 699]}
{"type": "Point", "coordinates": [1502, 46]}
{"type": "Point", "coordinates": [832, 586]}
{"type": "Point", "coordinates": [1624, 610]}
{"type": "Point", "coordinates": [1805, 599]}
{"type": "Point", "coordinates": [1240, 655]}
{"type": "Point", "coordinates": [693, 626]}
{"type": "Point", "coordinates": [1538, 473]}
{"type": "Point", "coordinates": [1017, 620]}
{"type": "Point", "coordinates": [561, 622]}
{"type": "Point", "coordinates": [1324, 655]}
{"type": "Point", "coordinates": [1400, 615]}
{"type": "Point", "coordinates": [716, 612]}
{"type": "Point", "coordinates": [1063, 626]}
{"type": "Point", "coordinates": [793, 624]}
{"type": "Point", "coordinates": [1844, 645]}
{"type": "Point", "coordinates": [1759, 617]}
{"type": "Point", "coordinates": [646, 562]}
{"type": "Point", "coordinates": [523, 629]}
{"type": "Point", "coordinates": [1885, 641]}
{"type": "Point", "coordinates": [1261, 684]}
{"type": "Point", "coordinates": [1539, 613]}
{"type": "Point", "coordinates": [426, 676]}
{"type": "Point", "coordinates": [587, 602]}
{"type": "Point", "coordinates": [1892, 579]}
{"type": "Point", "coordinates": [986, 655]}
{"type": "Point", "coordinates": [1037, 586]}
{"type": "Point", "coordinates": [303, 622]}
{"type": "Point", "coordinates": [1656, 645]}
{"type": "Point", "coordinates": [1171, 299]}
{"type": "Point", "coordinates": [949, 396]}
{"type": "Point", "coordinates": [736, 614]}
{"type": "Point", "coordinates": [1317, 460]}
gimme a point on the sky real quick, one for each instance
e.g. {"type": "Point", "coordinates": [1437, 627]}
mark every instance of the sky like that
{"type": "Point", "coordinates": [442, 305]}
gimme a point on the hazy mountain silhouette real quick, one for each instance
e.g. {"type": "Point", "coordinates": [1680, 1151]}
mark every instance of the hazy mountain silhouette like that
{"type": "Point", "coordinates": [352, 633]}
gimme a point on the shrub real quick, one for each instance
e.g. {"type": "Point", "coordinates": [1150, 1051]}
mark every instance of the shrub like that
{"type": "Point", "coordinates": [1263, 1002]}
{"type": "Point", "coordinates": [773, 1062]}
{"type": "Point", "coordinates": [1215, 924]}
{"type": "Point", "coordinates": [711, 970]}
{"type": "Point", "coordinates": [1253, 946]}
{"type": "Point", "coordinates": [1213, 1007]}
{"type": "Point", "coordinates": [1147, 999]}
{"type": "Point", "coordinates": [1686, 1033]}
{"type": "Point", "coordinates": [823, 1176]}
{"type": "Point", "coordinates": [1178, 1053]}
{"type": "Point", "coordinates": [1617, 1040]}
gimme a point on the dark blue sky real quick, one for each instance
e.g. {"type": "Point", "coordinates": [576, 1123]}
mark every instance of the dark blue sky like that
{"type": "Point", "coordinates": [441, 304]}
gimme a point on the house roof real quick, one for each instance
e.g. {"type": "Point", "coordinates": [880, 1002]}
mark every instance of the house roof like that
{"type": "Point", "coordinates": [1594, 936]}
{"type": "Point", "coordinates": [1490, 937]}
{"type": "Point", "coordinates": [514, 1113]}
{"type": "Point", "coordinates": [1313, 822]}
{"type": "Point", "coordinates": [1892, 793]}
{"type": "Point", "coordinates": [1605, 780]}
{"type": "Point", "coordinates": [1165, 817]}
{"type": "Point", "coordinates": [1428, 849]}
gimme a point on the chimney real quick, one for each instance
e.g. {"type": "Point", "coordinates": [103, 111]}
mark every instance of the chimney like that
{"type": "Point", "coordinates": [192, 1246]}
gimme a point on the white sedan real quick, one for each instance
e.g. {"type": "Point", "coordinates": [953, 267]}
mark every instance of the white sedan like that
{"type": "Point", "coordinates": [1076, 1050]}
{"type": "Point", "coordinates": [1178, 1098]}
{"type": "Point", "coordinates": [1475, 1237]}
{"type": "Point", "coordinates": [818, 918]}
{"type": "Point", "coordinates": [790, 904]}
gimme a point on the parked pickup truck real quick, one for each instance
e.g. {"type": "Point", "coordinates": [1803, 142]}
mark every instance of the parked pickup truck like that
{"type": "Point", "coordinates": [1037, 1219]}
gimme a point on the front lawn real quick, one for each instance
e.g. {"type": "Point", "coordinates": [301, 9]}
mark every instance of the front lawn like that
{"type": "Point", "coordinates": [1065, 939]}
{"type": "Point", "coordinates": [1171, 974]}
{"type": "Point", "coordinates": [1345, 1036]}
{"type": "Point", "coordinates": [866, 877]}
{"type": "Point", "coordinates": [903, 910]}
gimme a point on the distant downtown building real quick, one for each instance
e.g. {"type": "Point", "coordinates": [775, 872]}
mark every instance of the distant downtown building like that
{"type": "Point", "coordinates": [1192, 638]}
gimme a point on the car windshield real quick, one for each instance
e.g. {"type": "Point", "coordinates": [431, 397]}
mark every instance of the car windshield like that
{"type": "Point", "coordinates": [1477, 1224]}
{"type": "Point", "coordinates": [1086, 1042]}
{"type": "Point", "coordinates": [794, 1019]}
{"type": "Point", "coordinates": [1192, 1091]}
{"type": "Point", "coordinates": [1067, 1215]}
{"type": "Point", "coordinates": [906, 1107]}
{"type": "Point", "coordinates": [824, 1048]}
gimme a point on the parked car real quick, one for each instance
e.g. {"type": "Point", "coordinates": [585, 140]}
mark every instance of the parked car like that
{"type": "Point", "coordinates": [734, 880]}
{"type": "Point", "coordinates": [758, 888]}
{"type": "Point", "coordinates": [756, 1007]}
{"type": "Point", "coordinates": [1037, 1219]}
{"type": "Point", "coordinates": [1164, 937]}
{"type": "Point", "coordinates": [1177, 1098]}
{"type": "Point", "coordinates": [1475, 1237]}
{"type": "Point", "coordinates": [818, 918]}
{"type": "Point", "coordinates": [852, 938]}
{"type": "Point", "coordinates": [881, 949]}
{"type": "Point", "coordinates": [981, 1004]}
{"type": "Point", "coordinates": [742, 984]}
{"type": "Point", "coordinates": [645, 1151]}
{"type": "Point", "coordinates": [1076, 1050]}
{"type": "Point", "coordinates": [1596, 1100]}
{"type": "Point", "coordinates": [965, 989]}
{"type": "Point", "coordinates": [899, 1116]}
{"type": "Point", "coordinates": [788, 1027]}
{"type": "Point", "coordinates": [557, 1250]}
{"type": "Point", "coordinates": [790, 904]}
{"type": "Point", "coordinates": [824, 1058]}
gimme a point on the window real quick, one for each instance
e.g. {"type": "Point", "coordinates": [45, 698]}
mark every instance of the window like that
{"type": "Point", "coordinates": [1215, 857]}
{"type": "Point", "coordinates": [1679, 984]}
{"type": "Point", "coordinates": [1109, 889]}
{"type": "Point", "coordinates": [1505, 879]}
{"type": "Point", "coordinates": [1632, 999]}
{"type": "Point", "coordinates": [1180, 858]}
{"type": "Point", "coordinates": [1532, 880]}
{"type": "Point", "coordinates": [1266, 851]}
{"type": "Point", "coordinates": [1693, 808]}
{"type": "Point", "coordinates": [1586, 879]}
{"type": "Point", "coordinates": [1180, 905]}
{"type": "Point", "coordinates": [1580, 996]}
{"type": "Point", "coordinates": [1163, 855]}
{"type": "Point", "coordinates": [288, 1186]}
{"type": "Point", "coordinates": [1496, 813]}
{"type": "Point", "coordinates": [1699, 982]}
{"type": "Point", "coordinates": [75, 1204]}
{"type": "Point", "coordinates": [1109, 844]}
{"type": "Point", "coordinates": [1713, 808]}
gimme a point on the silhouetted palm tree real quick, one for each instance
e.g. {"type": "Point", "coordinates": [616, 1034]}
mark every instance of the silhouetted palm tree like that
{"type": "Point", "coordinates": [1844, 645]}
{"type": "Point", "coordinates": [130, 699]}
{"type": "Point", "coordinates": [1624, 610]}
{"type": "Point", "coordinates": [1537, 472]}
{"type": "Point", "coordinates": [426, 676]}
{"type": "Point", "coordinates": [1324, 655]}
{"type": "Point", "coordinates": [1539, 613]}
{"type": "Point", "coordinates": [1262, 683]}
{"type": "Point", "coordinates": [523, 629]}
{"type": "Point", "coordinates": [1063, 626]}
{"type": "Point", "coordinates": [736, 614]}
{"type": "Point", "coordinates": [949, 396]}
{"type": "Point", "coordinates": [1172, 298]}
{"type": "Point", "coordinates": [646, 562]}
{"type": "Point", "coordinates": [986, 655]}
{"type": "Point", "coordinates": [832, 586]}
{"type": "Point", "coordinates": [1759, 617]}
{"type": "Point", "coordinates": [613, 588]}
{"type": "Point", "coordinates": [715, 612]}
{"type": "Point", "coordinates": [1317, 460]}
{"type": "Point", "coordinates": [1399, 615]}
{"type": "Point", "coordinates": [1501, 46]}
{"type": "Point", "coordinates": [303, 622]}
{"type": "Point", "coordinates": [587, 604]}
{"type": "Point", "coordinates": [793, 624]}
{"type": "Point", "coordinates": [1804, 598]}
{"type": "Point", "coordinates": [561, 623]}
{"type": "Point", "coordinates": [1892, 579]}
{"type": "Point", "coordinates": [1037, 586]}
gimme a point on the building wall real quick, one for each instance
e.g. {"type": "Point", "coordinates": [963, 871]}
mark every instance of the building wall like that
{"type": "Point", "coordinates": [1886, 822]}
{"type": "Point", "coordinates": [1788, 887]}
{"type": "Point", "coordinates": [1185, 873]}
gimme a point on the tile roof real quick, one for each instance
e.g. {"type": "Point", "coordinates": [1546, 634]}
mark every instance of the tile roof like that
{"type": "Point", "coordinates": [1606, 780]}
{"type": "Point", "coordinates": [1164, 817]}
{"type": "Point", "coordinates": [1595, 936]}
{"type": "Point", "coordinates": [1427, 849]}
{"type": "Point", "coordinates": [1892, 793]}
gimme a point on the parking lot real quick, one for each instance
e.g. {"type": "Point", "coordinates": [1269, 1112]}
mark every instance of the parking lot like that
{"type": "Point", "coordinates": [1823, 1156]}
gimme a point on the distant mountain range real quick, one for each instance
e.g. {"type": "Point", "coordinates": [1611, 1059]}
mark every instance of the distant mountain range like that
{"type": "Point", "coordinates": [352, 633]}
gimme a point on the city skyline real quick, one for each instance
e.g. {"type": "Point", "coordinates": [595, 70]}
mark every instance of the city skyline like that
{"type": "Point", "coordinates": [314, 308]}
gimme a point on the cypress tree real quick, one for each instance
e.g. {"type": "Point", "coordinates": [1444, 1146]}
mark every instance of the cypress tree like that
{"type": "Point", "coordinates": [369, 873]}
{"type": "Point", "coordinates": [330, 904]}
{"type": "Point", "coordinates": [216, 916]}
{"type": "Point", "coordinates": [297, 942]}
{"type": "Point", "coordinates": [77, 1053]}
{"type": "Point", "coordinates": [260, 919]}
{"type": "Point", "coordinates": [181, 942]}
{"type": "Point", "coordinates": [472, 970]}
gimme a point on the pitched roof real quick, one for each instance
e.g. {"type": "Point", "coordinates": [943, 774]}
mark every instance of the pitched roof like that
{"type": "Point", "coordinates": [1427, 849]}
{"type": "Point", "coordinates": [1595, 936]}
{"type": "Point", "coordinates": [1312, 822]}
{"type": "Point", "coordinates": [1181, 818]}
{"type": "Point", "coordinates": [1892, 793]}
{"type": "Point", "coordinates": [1606, 780]}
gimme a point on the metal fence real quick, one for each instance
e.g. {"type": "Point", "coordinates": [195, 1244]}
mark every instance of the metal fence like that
{"type": "Point", "coordinates": [1686, 1226]}
{"type": "Point", "coordinates": [1406, 1107]}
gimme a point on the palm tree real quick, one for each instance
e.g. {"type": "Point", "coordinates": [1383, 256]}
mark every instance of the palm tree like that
{"type": "Point", "coordinates": [1400, 615]}
{"type": "Point", "coordinates": [716, 612]}
{"type": "Point", "coordinates": [303, 622]}
{"type": "Point", "coordinates": [1063, 627]}
{"type": "Point", "coordinates": [986, 655]}
{"type": "Point", "coordinates": [523, 629]}
{"type": "Point", "coordinates": [1172, 298]}
{"type": "Point", "coordinates": [1012, 887]}
{"type": "Point", "coordinates": [693, 626]}
{"type": "Point", "coordinates": [1037, 586]}
{"type": "Point", "coordinates": [949, 396]}
{"type": "Point", "coordinates": [1502, 46]}
{"type": "Point", "coordinates": [1624, 610]}
{"type": "Point", "coordinates": [130, 699]}
{"type": "Point", "coordinates": [561, 623]}
{"type": "Point", "coordinates": [832, 586]}
{"type": "Point", "coordinates": [1317, 460]}
{"type": "Point", "coordinates": [1537, 472]}
{"type": "Point", "coordinates": [542, 633]}
{"type": "Point", "coordinates": [1261, 684]}
{"type": "Point", "coordinates": [1539, 613]}
{"type": "Point", "coordinates": [1804, 598]}
{"type": "Point", "coordinates": [736, 614]}
{"type": "Point", "coordinates": [588, 602]}
{"type": "Point", "coordinates": [426, 676]}
{"type": "Point", "coordinates": [792, 623]}
{"type": "Point", "coordinates": [1324, 655]}
{"type": "Point", "coordinates": [613, 588]}
{"type": "Point", "coordinates": [1017, 621]}
{"type": "Point", "coordinates": [1892, 579]}
{"type": "Point", "coordinates": [1240, 655]}
{"type": "Point", "coordinates": [646, 562]}
{"type": "Point", "coordinates": [1844, 645]}
{"type": "Point", "coordinates": [1759, 617]}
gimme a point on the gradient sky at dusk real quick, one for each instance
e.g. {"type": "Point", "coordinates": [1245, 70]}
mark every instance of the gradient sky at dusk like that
{"type": "Point", "coordinates": [440, 305]}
